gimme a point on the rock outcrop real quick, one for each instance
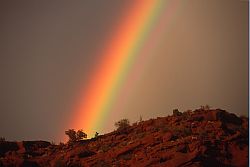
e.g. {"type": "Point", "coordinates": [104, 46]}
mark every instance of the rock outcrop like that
{"type": "Point", "coordinates": [192, 138]}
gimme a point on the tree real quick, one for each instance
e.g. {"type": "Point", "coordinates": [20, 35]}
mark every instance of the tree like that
{"type": "Point", "coordinates": [75, 136]}
{"type": "Point", "coordinates": [122, 124]}
{"type": "Point", "coordinates": [176, 112]}
{"type": "Point", "coordinates": [96, 134]}
{"type": "Point", "coordinates": [206, 107]}
{"type": "Point", "coordinates": [80, 135]}
{"type": "Point", "coordinates": [140, 120]}
{"type": "Point", "coordinates": [71, 133]}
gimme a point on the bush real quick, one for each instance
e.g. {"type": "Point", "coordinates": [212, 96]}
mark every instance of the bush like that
{"type": "Point", "coordinates": [176, 112]}
{"type": "Point", "coordinates": [140, 119]}
{"type": "Point", "coordinates": [71, 134]}
{"type": "Point", "coordinates": [80, 135]}
{"type": "Point", "coordinates": [122, 124]}
{"type": "Point", "coordinates": [206, 107]}
{"type": "Point", "coordinates": [75, 136]}
{"type": "Point", "coordinates": [96, 134]}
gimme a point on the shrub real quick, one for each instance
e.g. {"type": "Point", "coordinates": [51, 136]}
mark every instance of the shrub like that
{"type": "Point", "coordinates": [61, 145]}
{"type": "Point", "coordinates": [140, 119]}
{"type": "Point", "coordinates": [96, 134]}
{"type": "Point", "coordinates": [176, 112]}
{"type": "Point", "coordinates": [71, 133]}
{"type": "Point", "coordinates": [206, 107]}
{"type": "Point", "coordinates": [135, 124]}
{"type": "Point", "coordinates": [186, 115]}
{"type": "Point", "coordinates": [75, 136]}
{"type": "Point", "coordinates": [80, 135]}
{"type": "Point", "coordinates": [122, 124]}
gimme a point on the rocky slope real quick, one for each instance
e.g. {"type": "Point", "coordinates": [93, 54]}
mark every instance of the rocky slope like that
{"type": "Point", "coordinates": [201, 137]}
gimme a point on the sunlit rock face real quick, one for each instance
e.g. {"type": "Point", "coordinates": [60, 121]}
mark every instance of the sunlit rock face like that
{"type": "Point", "coordinates": [203, 137]}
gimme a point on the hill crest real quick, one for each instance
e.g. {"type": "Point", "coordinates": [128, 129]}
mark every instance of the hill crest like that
{"type": "Point", "coordinates": [203, 137]}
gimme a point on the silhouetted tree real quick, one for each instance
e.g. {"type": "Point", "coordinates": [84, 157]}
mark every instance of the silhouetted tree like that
{"type": "Point", "coordinates": [206, 107]}
{"type": "Point", "coordinates": [140, 120]}
{"type": "Point", "coordinates": [122, 124]}
{"type": "Point", "coordinates": [80, 135]}
{"type": "Point", "coordinates": [71, 133]}
{"type": "Point", "coordinates": [75, 136]}
{"type": "Point", "coordinates": [176, 112]}
{"type": "Point", "coordinates": [96, 134]}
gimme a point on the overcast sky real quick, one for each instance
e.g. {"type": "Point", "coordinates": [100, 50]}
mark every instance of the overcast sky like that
{"type": "Point", "coordinates": [48, 49]}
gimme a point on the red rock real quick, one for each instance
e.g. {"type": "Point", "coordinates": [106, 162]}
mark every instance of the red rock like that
{"type": "Point", "coordinates": [167, 136]}
{"type": "Point", "coordinates": [147, 143]}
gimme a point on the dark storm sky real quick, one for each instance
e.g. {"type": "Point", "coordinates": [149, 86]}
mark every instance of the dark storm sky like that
{"type": "Point", "coordinates": [48, 49]}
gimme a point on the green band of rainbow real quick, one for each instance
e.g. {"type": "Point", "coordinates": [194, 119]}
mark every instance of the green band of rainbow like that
{"type": "Point", "coordinates": [118, 59]}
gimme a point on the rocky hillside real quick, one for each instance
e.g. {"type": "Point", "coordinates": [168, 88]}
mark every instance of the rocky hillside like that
{"type": "Point", "coordinates": [201, 137]}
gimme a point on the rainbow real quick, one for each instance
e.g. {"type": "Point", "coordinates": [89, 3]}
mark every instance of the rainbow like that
{"type": "Point", "coordinates": [143, 24]}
